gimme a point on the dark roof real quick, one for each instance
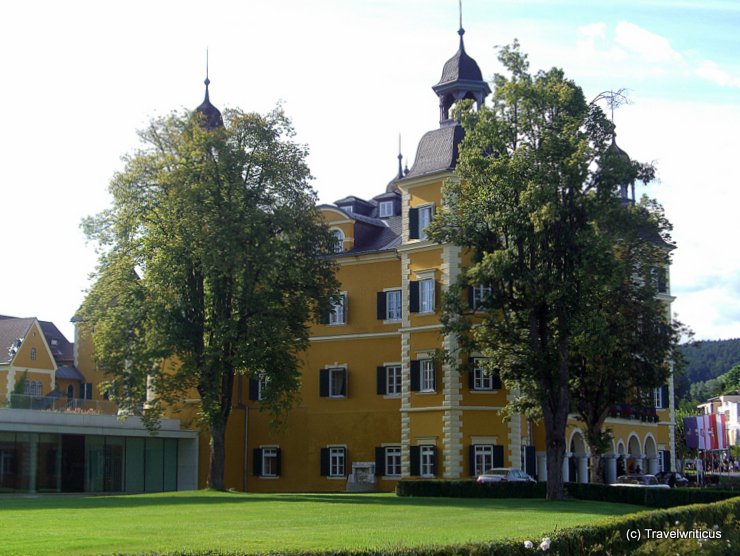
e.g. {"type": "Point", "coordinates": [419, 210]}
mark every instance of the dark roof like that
{"type": "Point", "coordinates": [12, 329]}
{"type": "Point", "coordinates": [61, 348]}
{"type": "Point", "coordinates": [615, 150]}
{"type": "Point", "coordinates": [437, 151]}
{"type": "Point", "coordinates": [69, 372]}
{"type": "Point", "coordinates": [213, 118]}
{"type": "Point", "coordinates": [385, 239]}
{"type": "Point", "coordinates": [460, 67]}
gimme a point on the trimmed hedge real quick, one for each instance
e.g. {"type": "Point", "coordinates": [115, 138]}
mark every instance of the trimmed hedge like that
{"type": "Point", "coordinates": [650, 497]}
{"type": "Point", "coordinates": [470, 489]}
{"type": "Point", "coordinates": [607, 537]}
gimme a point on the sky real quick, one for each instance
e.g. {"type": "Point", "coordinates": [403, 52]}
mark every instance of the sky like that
{"type": "Point", "coordinates": [80, 78]}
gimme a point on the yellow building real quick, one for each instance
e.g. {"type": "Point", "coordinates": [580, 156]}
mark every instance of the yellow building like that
{"type": "Point", "coordinates": [373, 398]}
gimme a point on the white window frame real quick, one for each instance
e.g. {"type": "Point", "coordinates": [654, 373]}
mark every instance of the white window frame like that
{"type": "Point", "coordinates": [342, 371]}
{"type": "Point", "coordinates": [261, 385]}
{"type": "Point", "coordinates": [658, 398]}
{"type": "Point", "coordinates": [269, 461]}
{"type": "Point", "coordinates": [393, 380]}
{"type": "Point", "coordinates": [33, 354]}
{"type": "Point", "coordinates": [385, 209]}
{"type": "Point", "coordinates": [339, 235]}
{"type": "Point", "coordinates": [483, 455]}
{"type": "Point", "coordinates": [338, 313]}
{"type": "Point", "coordinates": [393, 310]}
{"type": "Point", "coordinates": [480, 293]}
{"type": "Point", "coordinates": [392, 461]}
{"type": "Point", "coordinates": [426, 375]}
{"type": "Point", "coordinates": [426, 213]}
{"type": "Point", "coordinates": [32, 388]}
{"type": "Point", "coordinates": [482, 381]}
{"type": "Point", "coordinates": [337, 463]}
{"type": "Point", "coordinates": [426, 295]}
{"type": "Point", "coordinates": [426, 460]}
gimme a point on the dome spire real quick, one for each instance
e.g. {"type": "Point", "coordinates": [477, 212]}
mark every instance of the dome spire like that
{"type": "Point", "coordinates": [211, 115]}
{"type": "Point", "coordinates": [400, 158]}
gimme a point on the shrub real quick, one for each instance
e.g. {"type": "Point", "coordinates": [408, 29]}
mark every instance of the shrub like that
{"type": "Point", "coordinates": [470, 489]}
{"type": "Point", "coordinates": [650, 497]}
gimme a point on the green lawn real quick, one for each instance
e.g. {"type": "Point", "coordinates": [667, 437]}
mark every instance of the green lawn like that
{"type": "Point", "coordinates": [262, 522]}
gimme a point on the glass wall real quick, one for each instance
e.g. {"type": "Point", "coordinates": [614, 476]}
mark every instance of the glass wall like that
{"type": "Point", "coordinates": [31, 462]}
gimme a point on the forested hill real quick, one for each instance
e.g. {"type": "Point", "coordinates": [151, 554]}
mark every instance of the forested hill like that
{"type": "Point", "coordinates": [706, 360]}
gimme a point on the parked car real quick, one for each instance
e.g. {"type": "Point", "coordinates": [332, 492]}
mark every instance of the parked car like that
{"type": "Point", "coordinates": [672, 478]}
{"type": "Point", "coordinates": [504, 474]}
{"type": "Point", "coordinates": [638, 481]}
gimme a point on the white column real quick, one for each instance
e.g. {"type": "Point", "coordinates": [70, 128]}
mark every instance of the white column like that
{"type": "Point", "coordinates": [653, 465]}
{"type": "Point", "coordinates": [582, 469]}
{"type": "Point", "coordinates": [541, 466]}
{"type": "Point", "coordinates": [566, 467]}
{"type": "Point", "coordinates": [610, 464]}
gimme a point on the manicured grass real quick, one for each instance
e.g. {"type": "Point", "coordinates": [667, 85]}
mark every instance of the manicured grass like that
{"type": "Point", "coordinates": [262, 522]}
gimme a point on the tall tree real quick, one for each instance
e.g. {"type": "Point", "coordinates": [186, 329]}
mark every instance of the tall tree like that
{"type": "Point", "coordinates": [214, 261]}
{"type": "Point", "coordinates": [526, 201]}
{"type": "Point", "coordinates": [624, 340]}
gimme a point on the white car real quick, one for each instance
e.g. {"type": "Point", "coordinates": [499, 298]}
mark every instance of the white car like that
{"type": "Point", "coordinates": [638, 481]}
{"type": "Point", "coordinates": [504, 474]}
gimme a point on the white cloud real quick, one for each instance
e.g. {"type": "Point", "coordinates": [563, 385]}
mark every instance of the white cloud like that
{"type": "Point", "coordinates": [644, 44]}
{"type": "Point", "coordinates": [710, 71]}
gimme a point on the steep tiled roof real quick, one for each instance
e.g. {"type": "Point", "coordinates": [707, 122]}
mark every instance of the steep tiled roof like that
{"type": "Point", "coordinates": [10, 330]}
{"type": "Point", "coordinates": [61, 348]}
{"type": "Point", "coordinates": [437, 151]}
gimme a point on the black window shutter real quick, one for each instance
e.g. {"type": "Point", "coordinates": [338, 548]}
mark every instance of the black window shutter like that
{"type": "Point", "coordinates": [415, 461]}
{"type": "Point", "coordinates": [471, 297]}
{"type": "Point", "coordinates": [434, 376]}
{"type": "Point", "coordinates": [324, 318]}
{"type": "Point", "coordinates": [415, 375]}
{"type": "Point", "coordinates": [498, 456]}
{"type": "Point", "coordinates": [471, 458]}
{"type": "Point", "coordinates": [381, 306]}
{"type": "Point", "coordinates": [664, 397]}
{"type": "Point", "coordinates": [254, 389]}
{"type": "Point", "coordinates": [434, 461]}
{"type": "Point", "coordinates": [666, 457]}
{"type": "Point", "coordinates": [381, 381]}
{"type": "Point", "coordinates": [530, 461]}
{"type": "Point", "coordinates": [324, 462]}
{"type": "Point", "coordinates": [496, 380]}
{"type": "Point", "coordinates": [413, 223]}
{"type": "Point", "coordinates": [257, 461]}
{"type": "Point", "coordinates": [324, 383]}
{"type": "Point", "coordinates": [414, 296]}
{"type": "Point", "coordinates": [379, 461]}
{"type": "Point", "coordinates": [279, 462]}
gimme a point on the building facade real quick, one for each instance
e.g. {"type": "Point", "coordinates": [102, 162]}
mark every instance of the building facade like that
{"type": "Point", "coordinates": [374, 398]}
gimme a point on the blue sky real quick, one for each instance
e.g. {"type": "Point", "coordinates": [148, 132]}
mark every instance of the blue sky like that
{"type": "Point", "coordinates": [79, 78]}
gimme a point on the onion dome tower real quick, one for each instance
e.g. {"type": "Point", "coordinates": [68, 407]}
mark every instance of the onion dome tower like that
{"type": "Point", "coordinates": [461, 79]}
{"type": "Point", "coordinates": [212, 118]}
{"type": "Point", "coordinates": [623, 158]}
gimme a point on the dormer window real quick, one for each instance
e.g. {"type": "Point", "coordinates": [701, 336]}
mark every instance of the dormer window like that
{"type": "Point", "coordinates": [348, 208]}
{"type": "Point", "coordinates": [385, 209]}
{"type": "Point", "coordinates": [339, 237]}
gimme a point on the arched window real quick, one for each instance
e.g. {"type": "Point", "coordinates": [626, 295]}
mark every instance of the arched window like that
{"type": "Point", "coordinates": [33, 354]}
{"type": "Point", "coordinates": [339, 236]}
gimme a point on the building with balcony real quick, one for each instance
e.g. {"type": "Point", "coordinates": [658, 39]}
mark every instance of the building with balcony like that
{"type": "Point", "coordinates": [58, 434]}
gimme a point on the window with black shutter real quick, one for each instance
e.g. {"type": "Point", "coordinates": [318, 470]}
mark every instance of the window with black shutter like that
{"type": "Point", "coordinates": [379, 461]}
{"type": "Point", "coordinates": [414, 296]}
{"type": "Point", "coordinates": [380, 379]}
{"type": "Point", "coordinates": [381, 306]}
{"type": "Point", "coordinates": [415, 461]}
{"type": "Point", "coordinates": [415, 375]}
{"type": "Point", "coordinates": [413, 223]}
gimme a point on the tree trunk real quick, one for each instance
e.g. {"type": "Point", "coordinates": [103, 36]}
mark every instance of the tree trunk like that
{"type": "Point", "coordinates": [596, 475]}
{"type": "Point", "coordinates": [555, 457]}
{"type": "Point", "coordinates": [217, 456]}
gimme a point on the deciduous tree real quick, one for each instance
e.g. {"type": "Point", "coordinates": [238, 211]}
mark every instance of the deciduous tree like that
{"type": "Point", "coordinates": [214, 261]}
{"type": "Point", "coordinates": [527, 202]}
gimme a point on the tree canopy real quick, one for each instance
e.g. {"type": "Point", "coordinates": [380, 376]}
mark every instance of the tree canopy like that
{"type": "Point", "coordinates": [214, 261]}
{"type": "Point", "coordinates": [537, 203]}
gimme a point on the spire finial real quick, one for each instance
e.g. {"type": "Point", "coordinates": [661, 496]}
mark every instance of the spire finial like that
{"type": "Point", "coordinates": [400, 158]}
{"type": "Point", "coordinates": [207, 81]}
{"type": "Point", "coordinates": [460, 31]}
